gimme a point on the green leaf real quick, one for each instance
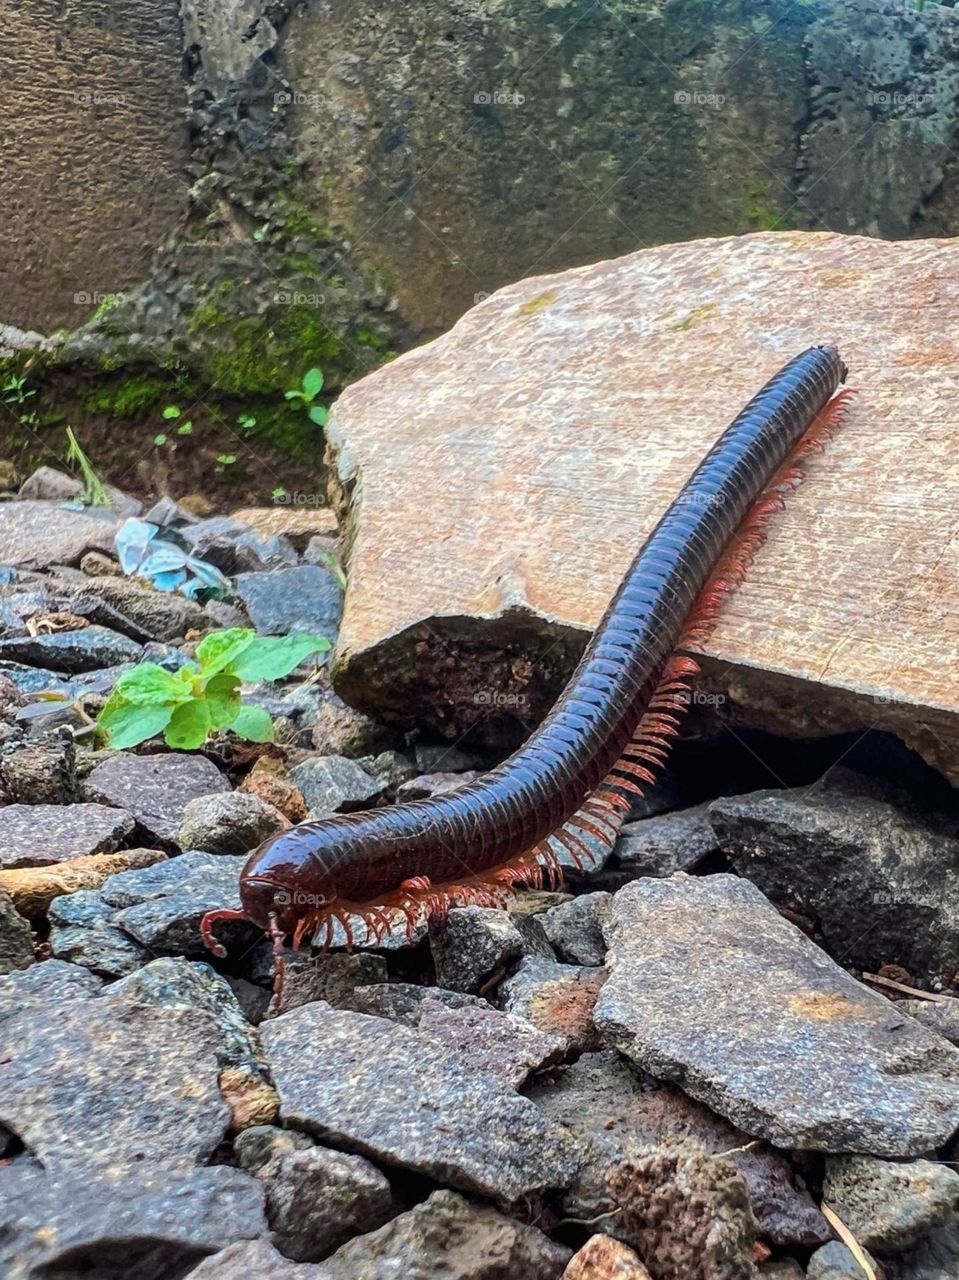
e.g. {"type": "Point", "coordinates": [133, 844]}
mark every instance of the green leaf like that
{"type": "Point", "coordinates": [223, 698]}
{"type": "Point", "coordinates": [318, 415]}
{"type": "Point", "coordinates": [312, 383]}
{"type": "Point", "coordinates": [185, 429]}
{"type": "Point", "coordinates": [149, 685]}
{"type": "Point", "coordinates": [171, 411]}
{"type": "Point", "coordinates": [293, 395]}
{"type": "Point", "coordinates": [127, 725]}
{"type": "Point", "coordinates": [270, 657]}
{"type": "Point", "coordinates": [216, 651]}
{"type": "Point", "coordinates": [189, 725]}
{"type": "Point", "coordinates": [247, 421]}
{"type": "Point", "coordinates": [160, 439]}
{"type": "Point", "coordinates": [226, 459]}
{"type": "Point", "coordinates": [254, 724]}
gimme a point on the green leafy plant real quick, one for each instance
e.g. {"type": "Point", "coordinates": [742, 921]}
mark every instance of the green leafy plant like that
{"type": "Point", "coordinates": [171, 414]}
{"type": "Point", "coordinates": [305, 394]}
{"type": "Point", "coordinates": [15, 394]}
{"type": "Point", "coordinates": [94, 493]}
{"type": "Point", "coordinates": [186, 706]}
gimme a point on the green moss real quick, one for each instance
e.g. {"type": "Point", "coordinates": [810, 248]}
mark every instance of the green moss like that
{"type": "Point", "coordinates": [129, 397]}
{"type": "Point", "coordinates": [537, 304]}
{"type": "Point", "coordinates": [763, 215]}
{"type": "Point", "coordinates": [299, 220]}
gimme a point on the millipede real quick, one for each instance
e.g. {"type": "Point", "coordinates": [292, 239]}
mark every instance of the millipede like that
{"type": "Point", "coordinates": [563, 796]}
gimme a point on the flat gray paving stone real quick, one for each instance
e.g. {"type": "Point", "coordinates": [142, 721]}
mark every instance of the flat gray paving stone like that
{"type": "Point", "coordinates": [38, 835]}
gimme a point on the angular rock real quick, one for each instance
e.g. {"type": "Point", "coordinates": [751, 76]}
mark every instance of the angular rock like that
{"type": "Point", "coordinates": [941, 1016]}
{"type": "Point", "coordinates": [888, 1207]}
{"type": "Point", "coordinates": [603, 1258]}
{"type": "Point", "coordinates": [334, 977]}
{"type": "Point", "coordinates": [38, 835]}
{"type": "Point", "coordinates": [37, 534]}
{"type": "Point", "coordinates": [835, 1262]}
{"type": "Point", "coordinates": [305, 598]}
{"type": "Point", "coordinates": [471, 944]}
{"type": "Point", "coordinates": [339, 730]}
{"type": "Point", "coordinates": [557, 998]}
{"type": "Point", "coordinates": [404, 1001]}
{"type": "Point", "coordinates": [316, 1199]}
{"type": "Point", "coordinates": [574, 928]}
{"type": "Point", "coordinates": [333, 784]}
{"type": "Point", "coordinates": [32, 889]}
{"type": "Point", "coordinates": [102, 1083]}
{"type": "Point", "coordinates": [667, 843]}
{"type": "Point", "coordinates": [882, 886]}
{"type": "Point", "coordinates": [175, 983]}
{"type": "Point", "coordinates": [88, 649]}
{"type": "Point", "coordinates": [42, 771]}
{"type": "Point", "coordinates": [49, 984]}
{"type": "Point", "coordinates": [448, 1238]}
{"type": "Point", "coordinates": [58, 486]}
{"type": "Point", "coordinates": [268, 781]}
{"type": "Point", "coordinates": [16, 939]}
{"type": "Point", "coordinates": [235, 548]}
{"type": "Point", "coordinates": [615, 1114]}
{"type": "Point", "coordinates": [688, 1213]}
{"type": "Point", "coordinates": [163, 615]}
{"type": "Point", "coordinates": [457, 1127]}
{"type": "Point", "coordinates": [639, 430]}
{"type": "Point", "coordinates": [82, 931]}
{"type": "Point", "coordinates": [933, 1257]}
{"type": "Point", "coordinates": [228, 822]}
{"type": "Point", "coordinates": [162, 906]}
{"type": "Point", "coordinates": [769, 1021]}
{"type": "Point", "coordinates": [155, 789]}
{"type": "Point", "coordinates": [260, 1259]}
{"type": "Point", "coordinates": [298, 523]}
{"type": "Point", "coordinates": [111, 1224]}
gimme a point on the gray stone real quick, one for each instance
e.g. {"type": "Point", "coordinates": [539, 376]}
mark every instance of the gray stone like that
{"type": "Point", "coordinates": [117, 1223]}
{"type": "Point", "coordinates": [435, 784]}
{"type": "Point", "coordinates": [316, 1199]}
{"type": "Point", "coordinates": [472, 944]}
{"type": "Point", "coordinates": [933, 1257]}
{"type": "Point", "coordinates": [41, 771]}
{"type": "Point", "coordinates": [258, 1259]}
{"type": "Point", "coordinates": [882, 886]}
{"type": "Point", "coordinates": [16, 938]}
{"type": "Point", "coordinates": [155, 789]}
{"type": "Point", "coordinates": [234, 548]}
{"type": "Point", "coordinates": [306, 598]}
{"type": "Point", "coordinates": [614, 1113]}
{"type": "Point", "coordinates": [556, 998]}
{"type": "Point", "coordinates": [772, 1034]}
{"type": "Point", "coordinates": [228, 822]}
{"type": "Point", "coordinates": [575, 928]}
{"type": "Point", "coordinates": [334, 977]}
{"type": "Point", "coordinates": [333, 784]}
{"type": "Point", "coordinates": [889, 1207]}
{"type": "Point", "coordinates": [668, 843]}
{"type": "Point", "coordinates": [88, 649]}
{"type": "Point", "coordinates": [102, 1083]}
{"type": "Point", "coordinates": [937, 1015]}
{"type": "Point", "coordinates": [50, 984]}
{"type": "Point", "coordinates": [433, 757]}
{"type": "Point", "coordinates": [37, 534]}
{"type": "Point", "coordinates": [82, 931]}
{"type": "Point", "coordinates": [58, 486]}
{"type": "Point", "coordinates": [391, 1094]}
{"type": "Point", "coordinates": [338, 730]}
{"type": "Point", "coordinates": [403, 1001]}
{"type": "Point", "coordinates": [448, 1238]}
{"type": "Point", "coordinates": [392, 767]}
{"type": "Point", "coordinates": [175, 983]}
{"type": "Point", "coordinates": [38, 835]}
{"type": "Point", "coordinates": [163, 910]}
{"type": "Point", "coordinates": [163, 615]}
{"type": "Point", "coordinates": [499, 1045]}
{"type": "Point", "coordinates": [834, 1262]}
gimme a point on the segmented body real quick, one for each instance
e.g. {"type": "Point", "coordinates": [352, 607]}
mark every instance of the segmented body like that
{"type": "Point", "coordinates": [566, 789]}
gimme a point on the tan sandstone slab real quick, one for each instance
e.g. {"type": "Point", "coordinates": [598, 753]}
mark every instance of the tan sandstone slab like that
{"type": "Point", "coordinates": [498, 481]}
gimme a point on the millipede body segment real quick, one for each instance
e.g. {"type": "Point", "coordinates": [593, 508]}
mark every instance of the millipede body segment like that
{"type": "Point", "coordinates": [564, 794]}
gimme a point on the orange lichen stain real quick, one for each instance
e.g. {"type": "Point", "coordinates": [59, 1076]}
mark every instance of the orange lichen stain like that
{"type": "Point", "coordinates": [819, 1006]}
{"type": "Point", "coordinates": [566, 1008]}
{"type": "Point", "coordinates": [536, 304]}
{"type": "Point", "coordinates": [696, 316]}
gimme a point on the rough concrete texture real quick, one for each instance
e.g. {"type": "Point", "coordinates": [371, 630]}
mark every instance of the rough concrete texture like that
{"type": "Point", "coordinates": [476, 146]}
{"type": "Point", "coordinates": [94, 176]}
{"type": "Point", "coordinates": [535, 445]}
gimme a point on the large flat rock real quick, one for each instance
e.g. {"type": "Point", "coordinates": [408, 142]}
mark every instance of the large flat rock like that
{"type": "Point", "coordinates": [531, 449]}
{"type": "Point", "coordinates": [710, 988]}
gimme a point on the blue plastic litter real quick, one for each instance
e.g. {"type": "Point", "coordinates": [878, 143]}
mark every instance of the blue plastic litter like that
{"type": "Point", "coordinates": [159, 554]}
